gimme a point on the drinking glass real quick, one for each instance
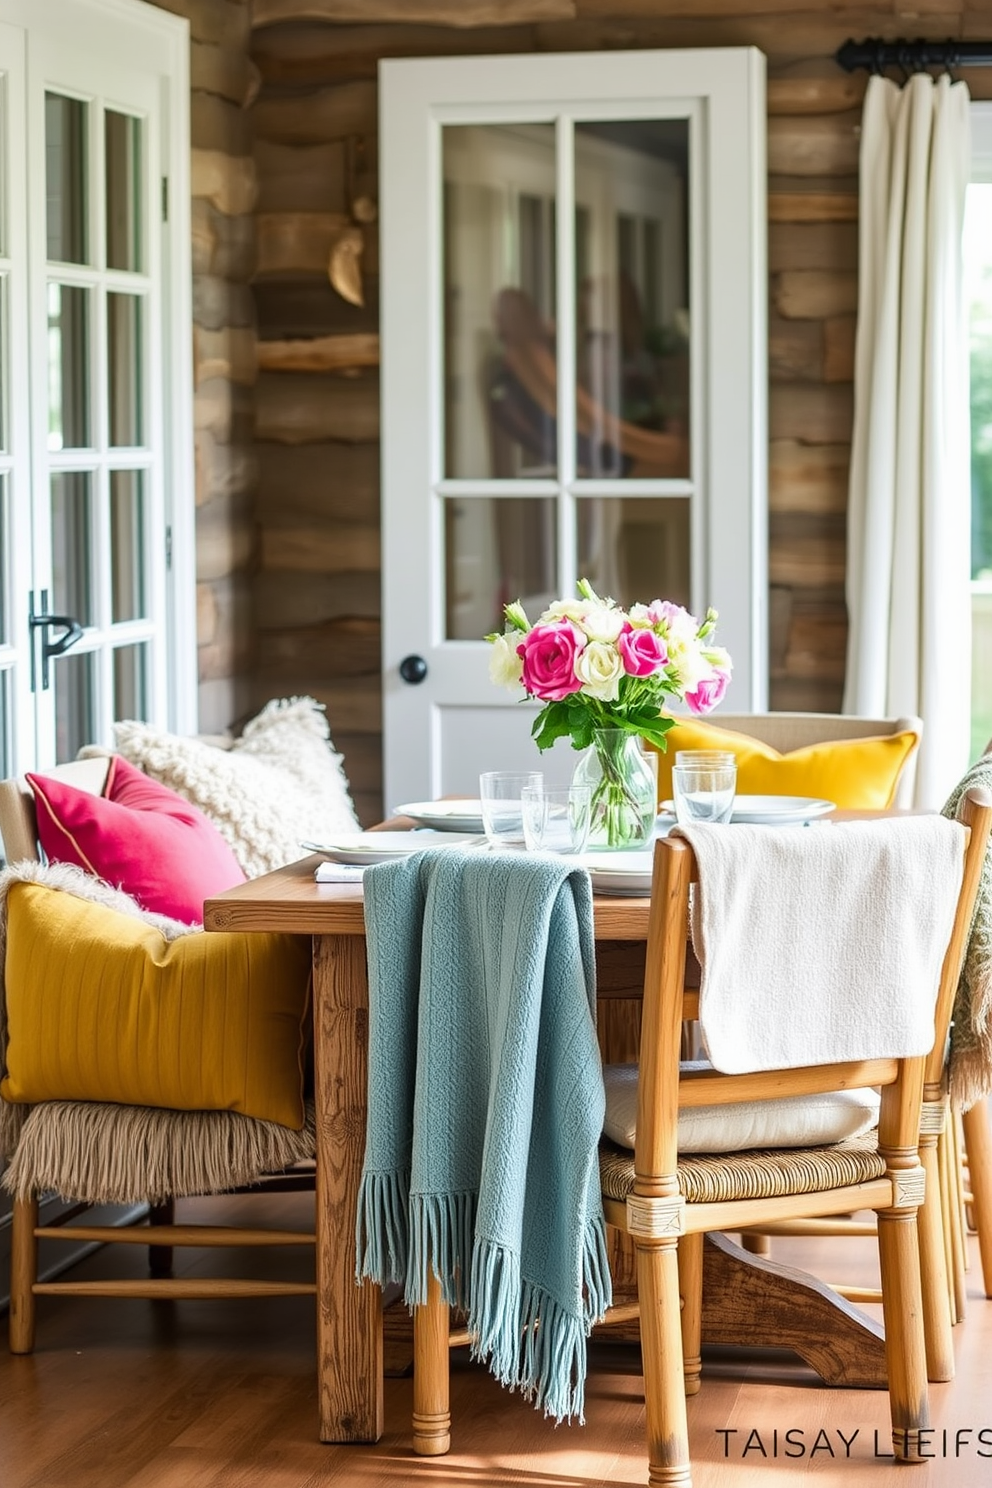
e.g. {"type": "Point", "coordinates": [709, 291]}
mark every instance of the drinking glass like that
{"type": "Point", "coordinates": [500, 792]}
{"type": "Point", "coordinates": [556, 819]}
{"type": "Point", "coordinates": [704, 782]}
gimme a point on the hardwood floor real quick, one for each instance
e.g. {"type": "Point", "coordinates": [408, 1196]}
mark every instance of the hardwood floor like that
{"type": "Point", "coordinates": [129, 1394]}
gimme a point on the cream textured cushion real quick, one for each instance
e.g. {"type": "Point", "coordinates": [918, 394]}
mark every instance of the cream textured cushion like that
{"type": "Point", "coordinates": [279, 783]}
{"type": "Point", "coordinates": [789, 1121]}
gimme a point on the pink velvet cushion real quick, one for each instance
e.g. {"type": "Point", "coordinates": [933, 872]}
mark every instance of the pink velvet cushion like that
{"type": "Point", "coordinates": [139, 836]}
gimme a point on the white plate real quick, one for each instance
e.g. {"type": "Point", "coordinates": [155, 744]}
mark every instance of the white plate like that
{"type": "Point", "coordinates": [381, 847]}
{"type": "Point", "coordinates": [771, 811]}
{"type": "Point", "coordinates": [444, 816]}
{"type": "Point", "coordinates": [619, 872]}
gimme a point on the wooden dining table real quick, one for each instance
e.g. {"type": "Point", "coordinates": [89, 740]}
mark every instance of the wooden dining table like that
{"type": "Point", "coordinates": [748, 1299]}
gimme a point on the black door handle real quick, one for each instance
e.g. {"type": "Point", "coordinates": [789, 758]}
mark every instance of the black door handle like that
{"type": "Point", "coordinates": [71, 633]}
{"type": "Point", "coordinates": [413, 669]}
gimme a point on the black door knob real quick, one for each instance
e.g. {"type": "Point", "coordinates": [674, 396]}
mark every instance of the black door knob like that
{"type": "Point", "coordinates": [413, 669]}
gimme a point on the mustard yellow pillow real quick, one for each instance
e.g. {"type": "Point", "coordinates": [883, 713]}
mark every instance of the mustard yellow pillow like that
{"type": "Point", "coordinates": [860, 774]}
{"type": "Point", "coordinates": [101, 1007]}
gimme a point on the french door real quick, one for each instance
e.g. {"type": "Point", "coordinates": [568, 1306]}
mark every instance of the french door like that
{"type": "Point", "coordinates": [574, 371]}
{"type": "Point", "coordinates": [95, 405]}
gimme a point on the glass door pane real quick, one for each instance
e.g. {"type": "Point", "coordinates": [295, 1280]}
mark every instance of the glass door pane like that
{"type": "Point", "coordinates": [66, 126]}
{"type": "Point", "coordinates": [68, 367]}
{"type": "Point", "coordinates": [75, 704]}
{"type": "Point", "coordinates": [127, 545]}
{"type": "Point", "coordinates": [122, 163]}
{"type": "Point", "coordinates": [124, 369]}
{"type": "Point", "coordinates": [632, 298]}
{"type": "Point", "coordinates": [635, 548]}
{"type": "Point", "coordinates": [497, 549]}
{"type": "Point", "coordinates": [500, 379]}
{"type": "Point", "coordinates": [131, 682]}
{"type": "Point", "coordinates": [72, 546]}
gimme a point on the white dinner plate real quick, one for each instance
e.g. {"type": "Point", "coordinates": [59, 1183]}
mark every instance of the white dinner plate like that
{"type": "Point", "coordinates": [619, 872]}
{"type": "Point", "coordinates": [444, 816]}
{"type": "Point", "coordinates": [770, 811]}
{"type": "Point", "coordinates": [382, 847]}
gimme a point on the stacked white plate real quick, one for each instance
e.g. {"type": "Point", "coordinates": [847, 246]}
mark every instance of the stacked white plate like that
{"type": "Point", "coordinates": [768, 811]}
{"type": "Point", "coordinates": [381, 847]}
{"type": "Point", "coordinates": [626, 873]}
{"type": "Point", "coordinates": [444, 816]}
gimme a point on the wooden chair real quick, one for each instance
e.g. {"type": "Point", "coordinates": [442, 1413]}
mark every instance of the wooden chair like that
{"type": "Point", "coordinates": [18, 831]}
{"type": "Point", "coordinates": [667, 1205]}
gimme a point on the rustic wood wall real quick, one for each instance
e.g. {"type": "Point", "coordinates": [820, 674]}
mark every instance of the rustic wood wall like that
{"type": "Point", "coordinates": [224, 82]}
{"type": "Point", "coordinates": [316, 594]}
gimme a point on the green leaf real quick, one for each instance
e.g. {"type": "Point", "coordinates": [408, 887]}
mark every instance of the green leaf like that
{"type": "Point", "coordinates": [550, 724]}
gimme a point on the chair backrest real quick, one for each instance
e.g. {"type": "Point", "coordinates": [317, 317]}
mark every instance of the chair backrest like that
{"type": "Point", "coordinates": [661, 1089]}
{"type": "Point", "coordinates": [18, 820]}
{"type": "Point", "coordinates": [788, 731]}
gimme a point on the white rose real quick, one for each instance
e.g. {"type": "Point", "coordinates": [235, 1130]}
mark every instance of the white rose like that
{"type": "Point", "coordinates": [567, 609]}
{"type": "Point", "coordinates": [505, 666]}
{"type": "Point", "coordinates": [599, 669]}
{"type": "Point", "coordinates": [602, 624]}
{"type": "Point", "coordinates": [689, 664]}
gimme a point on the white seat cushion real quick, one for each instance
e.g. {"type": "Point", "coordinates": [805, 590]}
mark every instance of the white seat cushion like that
{"type": "Point", "coordinates": [788, 1121]}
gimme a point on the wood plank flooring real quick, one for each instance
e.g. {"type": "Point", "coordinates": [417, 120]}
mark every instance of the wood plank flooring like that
{"type": "Point", "coordinates": [130, 1394]}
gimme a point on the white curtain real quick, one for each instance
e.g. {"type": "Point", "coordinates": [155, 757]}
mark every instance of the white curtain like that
{"type": "Point", "coordinates": [909, 526]}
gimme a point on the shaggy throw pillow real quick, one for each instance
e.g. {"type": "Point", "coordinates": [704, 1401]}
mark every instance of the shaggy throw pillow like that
{"type": "Point", "coordinates": [139, 836]}
{"type": "Point", "coordinates": [279, 783]}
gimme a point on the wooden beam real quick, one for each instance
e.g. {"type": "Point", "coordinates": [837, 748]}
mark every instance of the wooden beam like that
{"type": "Point", "coordinates": [815, 95]}
{"type": "Point", "coordinates": [816, 145]}
{"type": "Point", "coordinates": [319, 115]}
{"type": "Point", "coordinates": [814, 294]}
{"type": "Point", "coordinates": [321, 354]}
{"type": "Point", "coordinates": [461, 13]}
{"type": "Point", "coordinates": [296, 242]}
{"type": "Point", "coordinates": [300, 408]}
{"type": "Point", "coordinates": [812, 206]}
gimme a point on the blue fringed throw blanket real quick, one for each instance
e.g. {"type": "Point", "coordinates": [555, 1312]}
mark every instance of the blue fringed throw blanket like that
{"type": "Point", "coordinates": [486, 1106]}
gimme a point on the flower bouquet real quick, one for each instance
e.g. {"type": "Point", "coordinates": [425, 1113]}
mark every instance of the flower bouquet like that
{"type": "Point", "coordinates": [604, 675]}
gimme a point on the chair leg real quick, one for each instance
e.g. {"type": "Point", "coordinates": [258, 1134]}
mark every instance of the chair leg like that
{"type": "Point", "coordinates": [956, 1205]}
{"type": "Point", "coordinates": [23, 1275]}
{"type": "Point", "coordinates": [756, 1244]}
{"type": "Point", "coordinates": [431, 1403]}
{"type": "Point", "coordinates": [160, 1256]}
{"type": "Point", "coordinates": [937, 1318]}
{"type": "Point", "coordinates": [955, 1284]}
{"type": "Point", "coordinates": [691, 1288]}
{"type": "Point", "coordinates": [661, 1348]}
{"type": "Point", "coordinates": [978, 1145]}
{"type": "Point", "coordinates": [905, 1351]}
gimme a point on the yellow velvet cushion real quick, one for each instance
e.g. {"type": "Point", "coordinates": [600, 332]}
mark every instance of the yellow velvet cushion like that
{"type": "Point", "coordinates": [101, 1007]}
{"type": "Point", "coordinates": [860, 774]}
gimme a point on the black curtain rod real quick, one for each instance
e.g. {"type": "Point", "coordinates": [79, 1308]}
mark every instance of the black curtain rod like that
{"type": "Point", "coordinates": [912, 56]}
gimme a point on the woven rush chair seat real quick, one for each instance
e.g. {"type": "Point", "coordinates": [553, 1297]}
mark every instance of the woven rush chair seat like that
{"type": "Point", "coordinates": [759, 1174]}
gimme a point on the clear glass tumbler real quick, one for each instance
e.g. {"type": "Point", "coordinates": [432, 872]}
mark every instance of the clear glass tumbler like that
{"type": "Point", "coordinates": [500, 793]}
{"type": "Point", "coordinates": [704, 783]}
{"type": "Point", "coordinates": [556, 819]}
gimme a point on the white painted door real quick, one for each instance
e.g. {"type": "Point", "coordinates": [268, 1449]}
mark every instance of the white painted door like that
{"type": "Point", "coordinates": [574, 371]}
{"type": "Point", "coordinates": [95, 462]}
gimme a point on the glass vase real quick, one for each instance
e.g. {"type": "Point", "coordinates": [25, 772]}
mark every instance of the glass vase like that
{"type": "Point", "coordinates": [624, 802]}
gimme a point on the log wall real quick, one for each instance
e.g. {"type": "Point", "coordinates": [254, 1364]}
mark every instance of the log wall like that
{"type": "Point", "coordinates": [224, 83]}
{"type": "Point", "coordinates": [316, 596]}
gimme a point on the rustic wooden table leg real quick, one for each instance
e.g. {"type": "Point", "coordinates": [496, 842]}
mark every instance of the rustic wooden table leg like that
{"type": "Point", "coordinates": [349, 1317]}
{"type": "Point", "coordinates": [746, 1299]}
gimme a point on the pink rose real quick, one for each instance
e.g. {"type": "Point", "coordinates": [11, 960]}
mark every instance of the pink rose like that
{"type": "Point", "coordinates": [708, 692]}
{"type": "Point", "coordinates": [549, 653]}
{"type": "Point", "coordinates": [642, 652]}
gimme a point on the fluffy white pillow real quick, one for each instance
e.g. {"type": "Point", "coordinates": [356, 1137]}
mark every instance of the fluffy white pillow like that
{"type": "Point", "coordinates": [279, 783]}
{"type": "Point", "coordinates": [786, 1121]}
